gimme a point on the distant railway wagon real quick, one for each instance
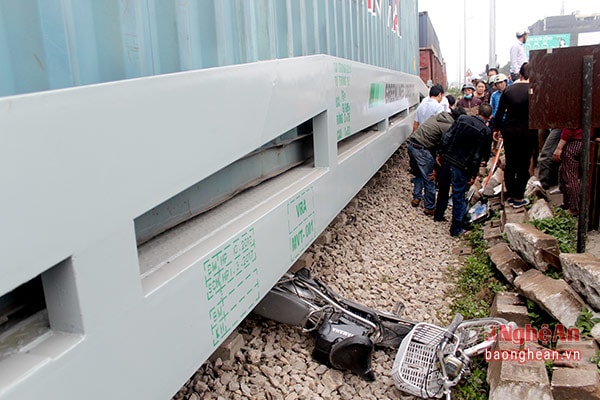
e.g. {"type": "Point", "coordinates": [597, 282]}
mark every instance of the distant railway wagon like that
{"type": "Point", "coordinates": [432, 68]}
{"type": "Point", "coordinates": [164, 163]}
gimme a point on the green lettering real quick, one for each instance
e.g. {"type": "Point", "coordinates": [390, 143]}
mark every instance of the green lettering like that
{"type": "Point", "coordinates": [297, 240]}
{"type": "Point", "coordinates": [300, 208]}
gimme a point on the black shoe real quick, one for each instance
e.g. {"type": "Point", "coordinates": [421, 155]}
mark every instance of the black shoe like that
{"type": "Point", "coordinates": [520, 203]}
{"type": "Point", "coordinates": [443, 219]}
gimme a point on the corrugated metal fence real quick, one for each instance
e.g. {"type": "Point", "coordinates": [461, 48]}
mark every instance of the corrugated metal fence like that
{"type": "Point", "coordinates": [52, 44]}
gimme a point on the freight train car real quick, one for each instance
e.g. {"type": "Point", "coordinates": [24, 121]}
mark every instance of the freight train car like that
{"type": "Point", "coordinates": [431, 63]}
{"type": "Point", "coordinates": [163, 163]}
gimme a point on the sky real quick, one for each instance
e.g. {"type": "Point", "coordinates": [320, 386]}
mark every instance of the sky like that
{"type": "Point", "coordinates": [511, 16]}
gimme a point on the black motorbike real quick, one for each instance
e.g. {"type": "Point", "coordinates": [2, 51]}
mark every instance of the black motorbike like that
{"type": "Point", "coordinates": [430, 360]}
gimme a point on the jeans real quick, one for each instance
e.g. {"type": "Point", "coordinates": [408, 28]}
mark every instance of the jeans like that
{"type": "Point", "coordinates": [548, 174]}
{"type": "Point", "coordinates": [450, 175]}
{"type": "Point", "coordinates": [422, 163]}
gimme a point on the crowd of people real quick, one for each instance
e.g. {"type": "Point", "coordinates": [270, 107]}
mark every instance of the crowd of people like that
{"type": "Point", "coordinates": [452, 139]}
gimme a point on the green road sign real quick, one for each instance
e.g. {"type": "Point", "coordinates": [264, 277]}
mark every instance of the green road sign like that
{"type": "Point", "coordinates": [538, 42]}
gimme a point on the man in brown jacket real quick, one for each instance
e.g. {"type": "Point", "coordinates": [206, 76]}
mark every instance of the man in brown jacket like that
{"type": "Point", "coordinates": [422, 146]}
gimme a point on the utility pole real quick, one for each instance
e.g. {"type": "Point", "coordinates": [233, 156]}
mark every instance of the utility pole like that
{"type": "Point", "coordinates": [464, 71]}
{"type": "Point", "coordinates": [492, 55]}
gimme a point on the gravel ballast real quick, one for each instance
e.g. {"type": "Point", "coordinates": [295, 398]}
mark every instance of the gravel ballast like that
{"type": "Point", "coordinates": [379, 251]}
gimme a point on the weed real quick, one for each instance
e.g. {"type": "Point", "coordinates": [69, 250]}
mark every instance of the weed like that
{"type": "Point", "coordinates": [534, 312]}
{"type": "Point", "coordinates": [531, 201]}
{"type": "Point", "coordinates": [563, 226]}
{"type": "Point", "coordinates": [585, 322]}
{"type": "Point", "coordinates": [554, 274]}
{"type": "Point", "coordinates": [476, 283]}
{"type": "Point", "coordinates": [475, 287]}
{"type": "Point", "coordinates": [549, 364]}
{"type": "Point", "coordinates": [476, 387]}
{"type": "Point", "coordinates": [476, 240]}
{"type": "Point", "coordinates": [496, 214]}
{"type": "Point", "coordinates": [471, 308]}
{"type": "Point", "coordinates": [596, 360]}
{"type": "Point", "coordinates": [539, 317]}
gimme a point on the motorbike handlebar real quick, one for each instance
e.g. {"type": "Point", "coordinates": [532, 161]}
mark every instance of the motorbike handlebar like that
{"type": "Point", "coordinates": [458, 318]}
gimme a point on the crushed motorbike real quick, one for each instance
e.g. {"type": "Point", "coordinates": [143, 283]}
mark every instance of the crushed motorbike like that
{"type": "Point", "coordinates": [430, 360]}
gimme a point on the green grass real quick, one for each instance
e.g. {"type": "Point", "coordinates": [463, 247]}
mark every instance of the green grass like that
{"type": "Point", "coordinates": [563, 226]}
{"type": "Point", "coordinates": [585, 322]}
{"type": "Point", "coordinates": [476, 284]}
{"type": "Point", "coordinates": [476, 386]}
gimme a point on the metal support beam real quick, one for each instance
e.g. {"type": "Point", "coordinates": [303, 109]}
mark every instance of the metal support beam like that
{"type": "Point", "coordinates": [584, 161]}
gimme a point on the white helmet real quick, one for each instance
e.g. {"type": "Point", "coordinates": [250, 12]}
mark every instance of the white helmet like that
{"type": "Point", "coordinates": [522, 33]}
{"type": "Point", "coordinates": [499, 78]}
{"type": "Point", "coordinates": [467, 86]}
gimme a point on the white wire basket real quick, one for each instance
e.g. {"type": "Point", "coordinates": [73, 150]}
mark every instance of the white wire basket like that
{"type": "Point", "coordinates": [416, 369]}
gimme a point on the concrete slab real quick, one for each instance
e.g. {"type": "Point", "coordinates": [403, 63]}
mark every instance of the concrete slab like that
{"type": "Point", "coordinates": [575, 383]}
{"type": "Point", "coordinates": [553, 295]}
{"type": "Point", "coordinates": [592, 245]}
{"type": "Point", "coordinates": [515, 380]}
{"type": "Point", "coordinates": [533, 245]}
{"type": "Point", "coordinates": [507, 261]}
{"type": "Point", "coordinates": [511, 307]}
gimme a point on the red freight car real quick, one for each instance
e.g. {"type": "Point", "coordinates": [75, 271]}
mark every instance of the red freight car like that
{"type": "Point", "coordinates": [432, 68]}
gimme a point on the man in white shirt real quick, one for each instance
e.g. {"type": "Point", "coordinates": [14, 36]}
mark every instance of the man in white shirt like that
{"type": "Point", "coordinates": [429, 106]}
{"type": "Point", "coordinates": [518, 55]}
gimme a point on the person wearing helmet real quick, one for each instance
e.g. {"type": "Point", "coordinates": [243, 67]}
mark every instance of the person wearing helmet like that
{"type": "Point", "coordinates": [491, 75]}
{"type": "Point", "coordinates": [518, 55]}
{"type": "Point", "coordinates": [468, 101]}
{"type": "Point", "coordinates": [491, 85]}
{"type": "Point", "coordinates": [499, 83]}
{"type": "Point", "coordinates": [520, 142]}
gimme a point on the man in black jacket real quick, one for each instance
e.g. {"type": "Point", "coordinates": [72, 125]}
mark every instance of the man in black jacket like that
{"type": "Point", "coordinates": [465, 146]}
{"type": "Point", "coordinates": [422, 146]}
